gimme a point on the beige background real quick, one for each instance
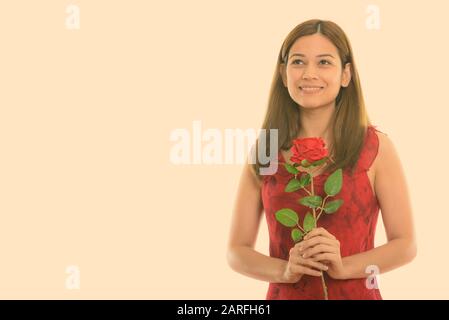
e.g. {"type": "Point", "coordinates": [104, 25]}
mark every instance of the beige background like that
{"type": "Point", "coordinates": [86, 116]}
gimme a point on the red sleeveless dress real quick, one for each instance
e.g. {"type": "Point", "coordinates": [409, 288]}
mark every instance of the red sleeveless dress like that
{"type": "Point", "coordinates": [354, 225]}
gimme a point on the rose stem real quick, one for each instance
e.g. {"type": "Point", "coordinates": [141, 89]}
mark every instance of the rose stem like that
{"type": "Point", "coordinates": [322, 275]}
{"type": "Point", "coordinates": [324, 287]}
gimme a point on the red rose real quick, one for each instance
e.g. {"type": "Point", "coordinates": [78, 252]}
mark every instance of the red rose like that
{"type": "Point", "coordinates": [311, 149]}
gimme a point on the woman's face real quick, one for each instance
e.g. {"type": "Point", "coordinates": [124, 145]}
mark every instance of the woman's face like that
{"type": "Point", "coordinates": [313, 74]}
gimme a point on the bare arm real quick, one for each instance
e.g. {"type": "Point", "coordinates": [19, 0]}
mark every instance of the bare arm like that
{"type": "Point", "coordinates": [245, 224]}
{"type": "Point", "coordinates": [392, 193]}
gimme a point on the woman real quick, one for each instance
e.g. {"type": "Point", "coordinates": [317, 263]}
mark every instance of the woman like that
{"type": "Point", "coordinates": [316, 93]}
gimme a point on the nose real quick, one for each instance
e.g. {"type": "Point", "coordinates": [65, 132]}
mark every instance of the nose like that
{"type": "Point", "coordinates": [309, 72]}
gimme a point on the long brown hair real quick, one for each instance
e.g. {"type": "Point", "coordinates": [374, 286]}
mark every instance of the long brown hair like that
{"type": "Point", "coordinates": [350, 119]}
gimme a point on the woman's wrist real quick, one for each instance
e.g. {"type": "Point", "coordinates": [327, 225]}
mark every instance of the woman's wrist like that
{"type": "Point", "coordinates": [346, 269]}
{"type": "Point", "coordinates": [282, 272]}
{"type": "Point", "coordinates": [286, 276]}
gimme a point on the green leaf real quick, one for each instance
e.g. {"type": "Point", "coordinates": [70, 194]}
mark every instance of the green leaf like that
{"type": "Point", "coordinates": [333, 206]}
{"type": "Point", "coordinates": [292, 185]}
{"type": "Point", "coordinates": [333, 183]}
{"type": "Point", "coordinates": [287, 217]}
{"type": "Point", "coordinates": [309, 222]}
{"type": "Point", "coordinates": [319, 162]}
{"type": "Point", "coordinates": [304, 180]}
{"type": "Point", "coordinates": [297, 235]}
{"type": "Point", "coordinates": [291, 168]}
{"type": "Point", "coordinates": [311, 201]}
{"type": "Point", "coordinates": [305, 163]}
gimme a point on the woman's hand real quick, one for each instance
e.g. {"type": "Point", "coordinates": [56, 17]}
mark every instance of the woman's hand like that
{"type": "Point", "coordinates": [322, 246]}
{"type": "Point", "coordinates": [297, 266]}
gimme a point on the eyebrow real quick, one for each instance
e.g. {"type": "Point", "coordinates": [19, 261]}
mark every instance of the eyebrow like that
{"type": "Point", "coordinates": [320, 55]}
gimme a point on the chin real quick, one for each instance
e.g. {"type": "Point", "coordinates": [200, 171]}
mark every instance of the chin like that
{"type": "Point", "coordinates": [310, 105]}
{"type": "Point", "coordinates": [314, 104]}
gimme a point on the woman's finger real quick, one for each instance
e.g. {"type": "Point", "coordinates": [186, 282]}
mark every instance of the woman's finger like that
{"type": "Point", "coordinates": [310, 263]}
{"type": "Point", "coordinates": [316, 241]}
{"type": "Point", "coordinates": [321, 248]}
{"type": "Point", "coordinates": [305, 270]}
{"type": "Point", "coordinates": [331, 257]}
{"type": "Point", "coordinates": [319, 231]}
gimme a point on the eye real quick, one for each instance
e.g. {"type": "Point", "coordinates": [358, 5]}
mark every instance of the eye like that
{"type": "Point", "coordinates": [326, 62]}
{"type": "Point", "coordinates": [293, 62]}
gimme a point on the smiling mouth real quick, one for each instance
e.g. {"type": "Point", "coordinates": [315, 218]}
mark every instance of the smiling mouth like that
{"type": "Point", "coordinates": [311, 89]}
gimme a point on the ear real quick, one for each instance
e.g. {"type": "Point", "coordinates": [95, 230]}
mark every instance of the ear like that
{"type": "Point", "coordinates": [346, 75]}
{"type": "Point", "coordinates": [282, 71]}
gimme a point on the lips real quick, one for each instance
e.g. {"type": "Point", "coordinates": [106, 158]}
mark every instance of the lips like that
{"type": "Point", "coordinates": [310, 89]}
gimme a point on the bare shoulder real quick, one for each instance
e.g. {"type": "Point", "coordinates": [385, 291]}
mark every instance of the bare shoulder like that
{"type": "Point", "coordinates": [386, 154]}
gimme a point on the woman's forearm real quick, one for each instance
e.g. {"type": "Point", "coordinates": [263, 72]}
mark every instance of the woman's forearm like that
{"type": "Point", "coordinates": [249, 262]}
{"type": "Point", "coordinates": [384, 258]}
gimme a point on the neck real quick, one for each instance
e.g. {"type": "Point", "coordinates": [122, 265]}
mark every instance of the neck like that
{"type": "Point", "coordinates": [316, 122]}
